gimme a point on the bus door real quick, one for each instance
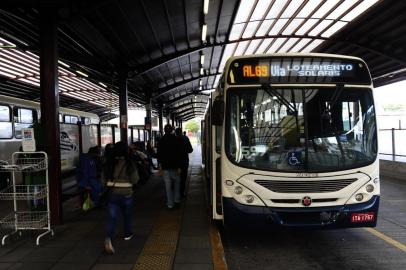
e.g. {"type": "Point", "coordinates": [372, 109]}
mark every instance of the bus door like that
{"type": "Point", "coordinates": [215, 159]}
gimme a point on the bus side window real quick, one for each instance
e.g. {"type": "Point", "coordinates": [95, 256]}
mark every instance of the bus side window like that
{"type": "Point", "coordinates": [23, 118]}
{"type": "Point", "coordinates": [6, 126]}
{"type": "Point", "coordinates": [70, 119]}
{"type": "Point", "coordinates": [86, 121]}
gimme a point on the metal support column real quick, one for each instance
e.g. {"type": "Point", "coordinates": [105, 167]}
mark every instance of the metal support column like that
{"type": "Point", "coordinates": [50, 107]}
{"type": "Point", "coordinates": [113, 134]}
{"type": "Point", "coordinates": [80, 137]}
{"type": "Point", "coordinates": [123, 104]}
{"type": "Point", "coordinates": [393, 144]}
{"type": "Point", "coordinates": [160, 116]}
{"type": "Point", "coordinates": [99, 144]}
{"type": "Point", "coordinates": [148, 118]}
{"type": "Point", "coordinates": [173, 120]}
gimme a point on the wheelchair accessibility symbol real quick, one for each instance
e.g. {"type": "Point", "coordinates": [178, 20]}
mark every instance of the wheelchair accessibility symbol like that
{"type": "Point", "coordinates": [294, 158]}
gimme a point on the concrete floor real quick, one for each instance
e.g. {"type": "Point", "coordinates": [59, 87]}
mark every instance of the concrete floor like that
{"type": "Point", "coordinates": [333, 249]}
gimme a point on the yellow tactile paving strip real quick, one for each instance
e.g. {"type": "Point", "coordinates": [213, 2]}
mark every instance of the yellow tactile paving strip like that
{"type": "Point", "coordinates": [217, 250]}
{"type": "Point", "coordinates": [159, 250]}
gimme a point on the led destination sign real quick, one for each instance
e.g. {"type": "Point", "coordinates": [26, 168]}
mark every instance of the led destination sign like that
{"type": "Point", "coordinates": [301, 70]}
{"type": "Point", "coordinates": [297, 70]}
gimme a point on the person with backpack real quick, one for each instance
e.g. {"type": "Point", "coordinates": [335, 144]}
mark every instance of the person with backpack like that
{"type": "Point", "coordinates": [122, 175]}
{"type": "Point", "coordinates": [186, 150]}
{"type": "Point", "coordinates": [141, 160]}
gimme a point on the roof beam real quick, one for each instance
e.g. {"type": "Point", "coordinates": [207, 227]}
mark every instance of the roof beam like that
{"type": "Point", "coordinates": [186, 23]}
{"type": "Point", "coordinates": [151, 26]}
{"type": "Point", "coordinates": [195, 109]}
{"type": "Point", "coordinates": [180, 98]}
{"type": "Point", "coordinates": [142, 69]}
{"type": "Point", "coordinates": [189, 109]}
{"type": "Point", "coordinates": [194, 113]}
{"type": "Point", "coordinates": [190, 117]}
{"type": "Point", "coordinates": [165, 90]}
{"type": "Point", "coordinates": [187, 104]}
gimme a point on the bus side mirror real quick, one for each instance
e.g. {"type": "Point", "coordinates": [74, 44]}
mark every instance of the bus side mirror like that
{"type": "Point", "coordinates": [217, 112]}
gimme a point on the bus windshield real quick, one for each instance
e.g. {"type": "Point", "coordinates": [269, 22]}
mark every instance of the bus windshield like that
{"type": "Point", "coordinates": [300, 129]}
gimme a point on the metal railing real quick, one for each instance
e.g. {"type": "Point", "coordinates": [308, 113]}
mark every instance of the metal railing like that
{"type": "Point", "coordinates": [392, 142]}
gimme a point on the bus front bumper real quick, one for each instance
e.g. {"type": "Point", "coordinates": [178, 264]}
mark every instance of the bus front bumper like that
{"type": "Point", "coordinates": [344, 216]}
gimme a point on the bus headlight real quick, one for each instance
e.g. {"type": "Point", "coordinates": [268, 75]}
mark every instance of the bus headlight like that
{"type": "Point", "coordinates": [238, 190]}
{"type": "Point", "coordinates": [359, 197]}
{"type": "Point", "coordinates": [249, 198]}
{"type": "Point", "coordinates": [229, 183]}
{"type": "Point", "coordinates": [370, 188]}
{"type": "Point", "coordinates": [365, 192]}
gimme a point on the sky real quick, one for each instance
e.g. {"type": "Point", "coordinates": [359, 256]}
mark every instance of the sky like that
{"type": "Point", "coordinates": [394, 93]}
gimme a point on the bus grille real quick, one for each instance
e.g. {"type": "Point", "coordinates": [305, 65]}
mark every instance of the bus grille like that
{"type": "Point", "coordinates": [304, 186]}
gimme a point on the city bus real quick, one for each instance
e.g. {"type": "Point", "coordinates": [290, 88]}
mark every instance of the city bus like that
{"type": "Point", "coordinates": [291, 140]}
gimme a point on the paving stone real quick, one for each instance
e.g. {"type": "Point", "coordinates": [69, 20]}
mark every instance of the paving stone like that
{"type": "Point", "coordinates": [15, 255]}
{"type": "Point", "coordinates": [71, 266]}
{"type": "Point", "coordinates": [194, 241]}
{"type": "Point", "coordinates": [4, 266]}
{"type": "Point", "coordinates": [113, 267]}
{"type": "Point", "coordinates": [194, 256]}
{"type": "Point", "coordinates": [31, 266]}
{"type": "Point", "coordinates": [45, 254]}
{"type": "Point", "coordinates": [82, 255]}
{"type": "Point", "coordinates": [118, 258]}
{"type": "Point", "coordinates": [193, 266]}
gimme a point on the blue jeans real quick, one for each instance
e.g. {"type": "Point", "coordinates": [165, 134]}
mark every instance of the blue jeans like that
{"type": "Point", "coordinates": [125, 204]}
{"type": "Point", "coordinates": [172, 187]}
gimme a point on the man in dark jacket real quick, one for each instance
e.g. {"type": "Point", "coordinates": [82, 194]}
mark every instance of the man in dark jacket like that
{"type": "Point", "coordinates": [169, 157]}
{"type": "Point", "coordinates": [186, 150]}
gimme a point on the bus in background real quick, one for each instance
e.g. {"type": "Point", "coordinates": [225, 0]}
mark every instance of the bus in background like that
{"type": "Point", "coordinates": [291, 140]}
{"type": "Point", "coordinates": [16, 114]}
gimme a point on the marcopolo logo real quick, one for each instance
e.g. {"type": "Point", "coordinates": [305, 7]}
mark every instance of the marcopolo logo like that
{"type": "Point", "coordinates": [307, 201]}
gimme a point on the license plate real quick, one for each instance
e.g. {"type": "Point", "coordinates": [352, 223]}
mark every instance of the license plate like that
{"type": "Point", "coordinates": [362, 217]}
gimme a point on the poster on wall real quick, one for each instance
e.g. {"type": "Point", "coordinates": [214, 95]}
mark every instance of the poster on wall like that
{"type": "Point", "coordinates": [69, 146]}
{"type": "Point", "coordinates": [28, 139]}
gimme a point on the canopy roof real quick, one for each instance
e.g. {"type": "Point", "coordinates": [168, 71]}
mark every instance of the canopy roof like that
{"type": "Point", "coordinates": [174, 51]}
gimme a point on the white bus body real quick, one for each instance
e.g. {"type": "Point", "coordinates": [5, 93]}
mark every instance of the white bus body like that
{"type": "Point", "coordinates": [291, 140]}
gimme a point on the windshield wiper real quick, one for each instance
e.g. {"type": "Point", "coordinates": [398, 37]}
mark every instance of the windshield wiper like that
{"type": "Point", "coordinates": [272, 92]}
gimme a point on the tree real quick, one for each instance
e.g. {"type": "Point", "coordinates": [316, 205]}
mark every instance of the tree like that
{"type": "Point", "coordinates": [192, 125]}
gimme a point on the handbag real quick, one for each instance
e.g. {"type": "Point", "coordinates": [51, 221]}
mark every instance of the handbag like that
{"type": "Point", "coordinates": [88, 203]}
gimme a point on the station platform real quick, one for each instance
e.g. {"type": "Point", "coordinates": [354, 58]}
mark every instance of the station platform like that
{"type": "Point", "coordinates": [163, 239]}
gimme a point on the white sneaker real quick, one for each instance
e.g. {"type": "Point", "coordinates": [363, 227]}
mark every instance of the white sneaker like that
{"type": "Point", "coordinates": [108, 246]}
{"type": "Point", "coordinates": [128, 237]}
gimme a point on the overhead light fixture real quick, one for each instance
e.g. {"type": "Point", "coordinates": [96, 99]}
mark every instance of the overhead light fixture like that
{"type": "Point", "coordinates": [81, 73]}
{"type": "Point", "coordinates": [200, 83]}
{"type": "Point", "coordinates": [63, 64]}
{"type": "Point", "coordinates": [102, 84]}
{"type": "Point", "coordinates": [201, 71]}
{"type": "Point", "coordinates": [205, 7]}
{"type": "Point", "coordinates": [202, 59]}
{"type": "Point", "coordinates": [208, 91]}
{"type": "Point", "coordinates": [14, 38]}
{"type": "Point", "coordinates": [204, 32]}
